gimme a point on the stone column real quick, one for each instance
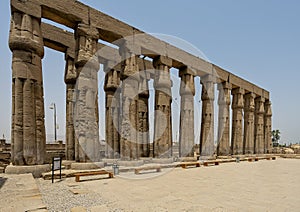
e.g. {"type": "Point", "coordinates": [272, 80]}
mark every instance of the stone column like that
{"type": "Point", "coordinates": [111, 87]}
{"type": "Point", "coordinates": [28, 128]}
{"type": "Point", "coordinates": [70, 80]}
{"type": "Point", "coordinates": [86, 125]}
{"type": "Point", "coordinates": [237, 121]}
{"type": "Point", "coordinates": [187, 92]}
{"type": "Point", "coordinates": [249, 123]}
{"type": "Point", "coordinates": [223, 148]}
{"type": "Point", "coordinates": [143, 116]}
{"type": "Point", "coordinates": [129, 120]}
{"type": "Point", "coordinates": [162, 145]}
{"type": "Point", "coordinates": [207, 147]}
{"type": "Point", "coordinates": [268, 127]}
{"type": "Point", "coordinates": [259, 125]}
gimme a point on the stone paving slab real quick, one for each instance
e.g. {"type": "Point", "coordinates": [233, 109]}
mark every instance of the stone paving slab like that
{"type": "Point", "coordinates": [20, 193]}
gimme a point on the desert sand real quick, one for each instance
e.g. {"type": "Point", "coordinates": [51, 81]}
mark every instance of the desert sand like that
{"type": "Point", "coordinates": [245, 186]}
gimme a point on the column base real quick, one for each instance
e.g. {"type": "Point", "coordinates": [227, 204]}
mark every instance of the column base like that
{"type": "Point", "coordinates": [162, 160]}
{"type": "Point", "coordinates": [207, 157]}
{"type": "Point", "coordinates": [87, 166]}
{"type": "Point", "coordinates": [130, 163]}
{"type": "Point", "coordinates": [35, 170]}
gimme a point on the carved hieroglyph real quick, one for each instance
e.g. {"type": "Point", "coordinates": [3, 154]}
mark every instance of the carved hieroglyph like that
{"type": "Point", "coordinates": [86, 102]}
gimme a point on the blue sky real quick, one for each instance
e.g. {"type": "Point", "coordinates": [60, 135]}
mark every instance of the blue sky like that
{"type": "Point", "coordinates": [256, 40]}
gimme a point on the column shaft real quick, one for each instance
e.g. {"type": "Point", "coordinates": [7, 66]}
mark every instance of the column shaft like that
{"type": "Point", "coordinates": [259, 125]}
{"type": "Point", "coordinates": [223, 148]}
{"type": "Point", "coordinates": [249, 123]}
{"type": "Point", "coordinates": [86, 120]}
{"type": "Point", "coordinates": [143, 134]}
{"type": "Point", "coordinates": [112, 138]}
{"type": "Point", "coordinates": [70, 80]}
{"type": "Point", "coordinates": [186, 136]}
{"type": "Point", "coordinates": [237, 121]}
{"type": "Point", "coordinates": [28, 129]}
{"type": "Point", "coordinates": [207, 124]}
{"type": "Point", "coordinates": [268, 127]}
{"type": "Point", "coordinates": [129, 91]}
{"type": "Point", "coordinates": [162, 145]}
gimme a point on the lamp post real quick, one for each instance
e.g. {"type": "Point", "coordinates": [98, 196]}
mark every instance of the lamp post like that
{"type": "Point", "coordinates": [53, 107]}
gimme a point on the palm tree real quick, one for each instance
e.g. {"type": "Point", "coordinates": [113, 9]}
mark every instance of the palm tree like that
{"type": "Point", "coordinates": [275, 137]}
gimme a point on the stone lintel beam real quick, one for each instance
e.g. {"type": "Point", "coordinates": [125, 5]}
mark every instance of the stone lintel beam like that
{"type": "Point", "coordinates": [236, 82]}
{"type": "Point", "coordinates": [186, 70]}
{"type": "Point", "coordinates": [71, 12]}
{"type": "Point", "coordinates": [67, 12]}
{"type": "Point", "coordinates": [30, 8]}
{"type": "Point", "coordinates": [162, 60]}
{"type": "Point", "coordinates": [58, 39]}
{"type": "Point", "coordinates": [61, 40]}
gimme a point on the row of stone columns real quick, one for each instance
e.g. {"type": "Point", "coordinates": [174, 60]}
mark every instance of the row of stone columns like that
{"type": "Point", "coordinates": [251, 122]}
{"type": "Point", "coordinates": [127, 116]}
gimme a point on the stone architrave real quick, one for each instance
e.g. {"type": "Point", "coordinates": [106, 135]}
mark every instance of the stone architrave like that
{"type": "Point", "coordinates": [207, 147]}
{"type": "Point", "coordinates": [86, 111]}
{"type": "Point", "coordinates": [70, 80]}
{"type": "Point", "coordinates": [162, 144]}
{"type": "Point", "coordinates": [249, 123]}
{"type": "Point", "coordinates": [28, 128]}
{"type": "Point", "coordinates": [223, 148]}
{"type": "Point", "coordinates": [111, 87]}
{"type": "Point", "coordinates": [143, 116]}
{"type": "Point", "coordinates": [259, 125]}
{"type": "Point", "coordinates": [187, 92]}
{"type": "Point", "coordinates": [129, 91]}
{"type": "Point", "coordinates": [268, 127]}
{"type": "Point", "coordinates": [237, 121]}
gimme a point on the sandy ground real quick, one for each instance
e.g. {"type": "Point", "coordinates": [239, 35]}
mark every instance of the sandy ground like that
{"type": "Point", "coordinates": [245, 186]}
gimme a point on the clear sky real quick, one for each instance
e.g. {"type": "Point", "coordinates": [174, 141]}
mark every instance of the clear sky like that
{"type": "Point", "coordinates": [256, 40]}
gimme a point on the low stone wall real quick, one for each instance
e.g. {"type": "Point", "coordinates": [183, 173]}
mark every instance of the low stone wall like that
{"type": "Point", "coordinates": [4, 160]}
